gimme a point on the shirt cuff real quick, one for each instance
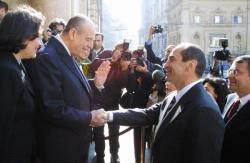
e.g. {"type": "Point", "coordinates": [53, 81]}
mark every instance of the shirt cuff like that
{"type": "Point", "coordinates": [110, 116]}
{"type": "Point", "coordinates": [100, 88]}
{"type": "Point", "coordinates": [148, 42]}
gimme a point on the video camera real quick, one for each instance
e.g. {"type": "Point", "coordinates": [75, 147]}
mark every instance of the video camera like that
{"type": "Point", "coordinates": [158, 29]}
{"type": "Point", "coordinates": [223, 54]}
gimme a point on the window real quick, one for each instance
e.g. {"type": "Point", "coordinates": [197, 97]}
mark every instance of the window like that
{"type": "Point", "coordinates": [197, 19]}
{"type": "Point", "coordinates": [237, 19]}
{"type": "Point", "coordinates": [214, 39]}
{"type": "Point", "coordinates": [218, 19]}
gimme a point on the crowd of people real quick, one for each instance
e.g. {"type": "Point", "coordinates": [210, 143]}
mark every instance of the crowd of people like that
{"type": "Point", "coordinates": [51, 109]}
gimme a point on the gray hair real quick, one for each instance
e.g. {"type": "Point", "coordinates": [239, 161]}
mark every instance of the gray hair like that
{"type": "Point", "coordinates": [76, 22]}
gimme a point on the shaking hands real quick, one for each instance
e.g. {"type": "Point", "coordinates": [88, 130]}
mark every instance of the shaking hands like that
{"type": "Point", "coordinates": [99, 118]}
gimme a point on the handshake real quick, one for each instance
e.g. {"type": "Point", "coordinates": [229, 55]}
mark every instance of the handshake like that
{"type": "Point", "coordinates": [99, 118]}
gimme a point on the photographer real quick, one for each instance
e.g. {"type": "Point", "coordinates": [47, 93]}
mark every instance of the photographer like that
{"type": "Point", "coordinates": [143, 71]}
{"type": "Point", "coordinates": [221, 59]}
{"type": "Point", "coordinates": [148, 45]}
{"type": "Point", "coordinates": [118, 78]}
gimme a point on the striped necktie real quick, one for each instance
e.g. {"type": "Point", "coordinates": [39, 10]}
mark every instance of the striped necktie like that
{"type": "Point", "coordinates": [232, 110]}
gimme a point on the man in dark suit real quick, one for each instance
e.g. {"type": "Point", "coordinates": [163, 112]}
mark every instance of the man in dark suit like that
{"type": "Point", "coordinates": [65, 118]}
{"type": "Point", "coordinates": [237, 118]}
{"type": "Point", "coordinates": [189, 128]}
{"type": "Point", "coordinates": [98, 46]}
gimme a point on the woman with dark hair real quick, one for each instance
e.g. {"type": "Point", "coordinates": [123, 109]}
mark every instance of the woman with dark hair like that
{"type": "Point", "coordinates": [217, 87]}
{"type": "Point", "coordinates": [19, 39]}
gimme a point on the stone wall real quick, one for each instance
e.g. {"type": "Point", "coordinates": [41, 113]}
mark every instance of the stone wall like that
{"type": "Point", "coordinates": [62, 8]}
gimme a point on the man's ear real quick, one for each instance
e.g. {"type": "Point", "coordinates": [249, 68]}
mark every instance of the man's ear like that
{"type": "Point", "coordinates": [191, 65]}
{"type": "Point", "coordinates": [72, 33]}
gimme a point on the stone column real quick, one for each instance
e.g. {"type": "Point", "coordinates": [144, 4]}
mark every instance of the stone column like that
{"type": "Point", "coordinates": [52, 9]}
{"type": "Point", "coordinates": [248, 28]}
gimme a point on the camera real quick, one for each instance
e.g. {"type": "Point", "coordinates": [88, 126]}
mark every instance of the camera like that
{"type": "Point", "coordinates": [125, 45]}
{"type": "Point", "coordinates": [158, 29]}
{"type": "Point", "coordinates": [139, 51]}
{"type": "Point", "coordinates": [140, 61]}
{"type": "Point", "coordinates": [223, 54]}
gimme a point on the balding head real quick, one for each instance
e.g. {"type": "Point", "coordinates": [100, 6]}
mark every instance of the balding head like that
{"type": "Point", "coordinates": [194, 52]}
{"type": "Point", "coordinates": [79, 35]}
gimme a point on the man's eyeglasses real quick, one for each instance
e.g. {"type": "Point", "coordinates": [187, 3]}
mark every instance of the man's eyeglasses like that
{"type": "Point", "coordinates": [167, 51]}
{"type": "Point", "coordinates": [234, 72]}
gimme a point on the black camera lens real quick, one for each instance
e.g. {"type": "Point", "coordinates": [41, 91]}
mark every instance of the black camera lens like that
{"type": "Point", "coordinates": [158, 29]}
{"type": "Point", "coordinates": [140, 61]}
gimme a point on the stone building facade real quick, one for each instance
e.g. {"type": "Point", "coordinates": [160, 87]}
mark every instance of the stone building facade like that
{"type": "Point", "coordinates": [64, 8]}
{"type": "Point", "coordinates": [203, 22]}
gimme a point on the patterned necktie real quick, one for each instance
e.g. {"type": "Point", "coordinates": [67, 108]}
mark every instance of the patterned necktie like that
{"type": "Point", "coordinates": [23, 71]}
{"type": "Point", "coordinates": [25, 77]}
{"type": "Point", "coordinates": [167, 110]}
{"type": "Point", "coordinates": [232, 110]}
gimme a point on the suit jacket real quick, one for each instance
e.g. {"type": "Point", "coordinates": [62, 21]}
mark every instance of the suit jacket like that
{"type": "Point", "coordinates": [17, 103]}
{"type": "Point", "coordinates": [94, 55]}
{"type": "Point", "coordinates": [237, 133]}
{"type": "Point", "coordinates": [193, 136]}
{"type": "Point", "coordinates": [65, 103]}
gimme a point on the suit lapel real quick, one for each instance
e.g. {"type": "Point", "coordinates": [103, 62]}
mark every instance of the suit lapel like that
{"type": "Point", "coordinates": [68, 61]}
{"type": "Point", "coordinates": [179, 107]}
{"type": "Point", "coordinates": [235, 122]}
{"type": "Point", "coordinates": [24, 77]}
{"type": "Point", "coordinates": [228, 105]}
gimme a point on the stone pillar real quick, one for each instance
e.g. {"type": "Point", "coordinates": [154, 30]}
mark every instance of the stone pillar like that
{"type": "Point", "coordinates": [14, 3]}
{"type": "Point", "coordinates": [52, 9]}
{"type": "Point", "coordinates": [185, 30]}
{"type": "Point", "coordinates": [248, 28]}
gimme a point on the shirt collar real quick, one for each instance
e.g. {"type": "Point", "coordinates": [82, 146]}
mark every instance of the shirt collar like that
{"type": "Point", "coordinates": [58, 37]}
{"type": "Point", "coordinates": [18, 60]}
{"type": "Point", "coordinates": [244, 100]}
{"type": "Point", "coordinates": [184, 90]}
{"type": "Point", "coordinates": [97, 50]}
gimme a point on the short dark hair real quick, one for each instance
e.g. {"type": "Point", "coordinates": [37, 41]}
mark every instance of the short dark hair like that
{"type": "Point", "coordinates": [19, 26]}
{"type": "Point", "coordinates": [192, 51]}
{"type": "Point", "coordinates": [76, 22]}
{"type": "Point", "coordinates": [220, 88]}
{"type": "Point", "coordinates": [56, 21]}
{"type": "Point", "coordinates": [4, 5]}
{"type": "Point", "coordinates": [244, 59]}
{"type": "Point", "coordinates": [100, 34]}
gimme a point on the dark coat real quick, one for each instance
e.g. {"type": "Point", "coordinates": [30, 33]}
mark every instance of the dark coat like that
{"type": "Point", "coordinates": [237, 133]}
{"type": "Point", "coordinates": [65, 102]}
{"type": "Point", "coordinates": [195, 135]}
{"type": "Point", "coordinates": [17, 103]}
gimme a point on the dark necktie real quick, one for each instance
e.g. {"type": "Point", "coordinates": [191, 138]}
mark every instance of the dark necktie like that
{"type": "Point", "coordinates": [82, 76]}
{"type": "Point", "coordinates": [167, 111]}
{"type": "Point", "coordinates": [23, 71]}
{"type": "Point", "coordinates": [170, 106]}
{"type": "Point", "coordinates": [232, 110]}
{"type": "Point", "coordinates": [25, 76]}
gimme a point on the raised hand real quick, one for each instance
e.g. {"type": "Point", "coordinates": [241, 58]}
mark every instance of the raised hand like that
{"type": "Point", "coordinates": [102, 73]}
{"type": "Point", "coordinates": [99, 118]}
